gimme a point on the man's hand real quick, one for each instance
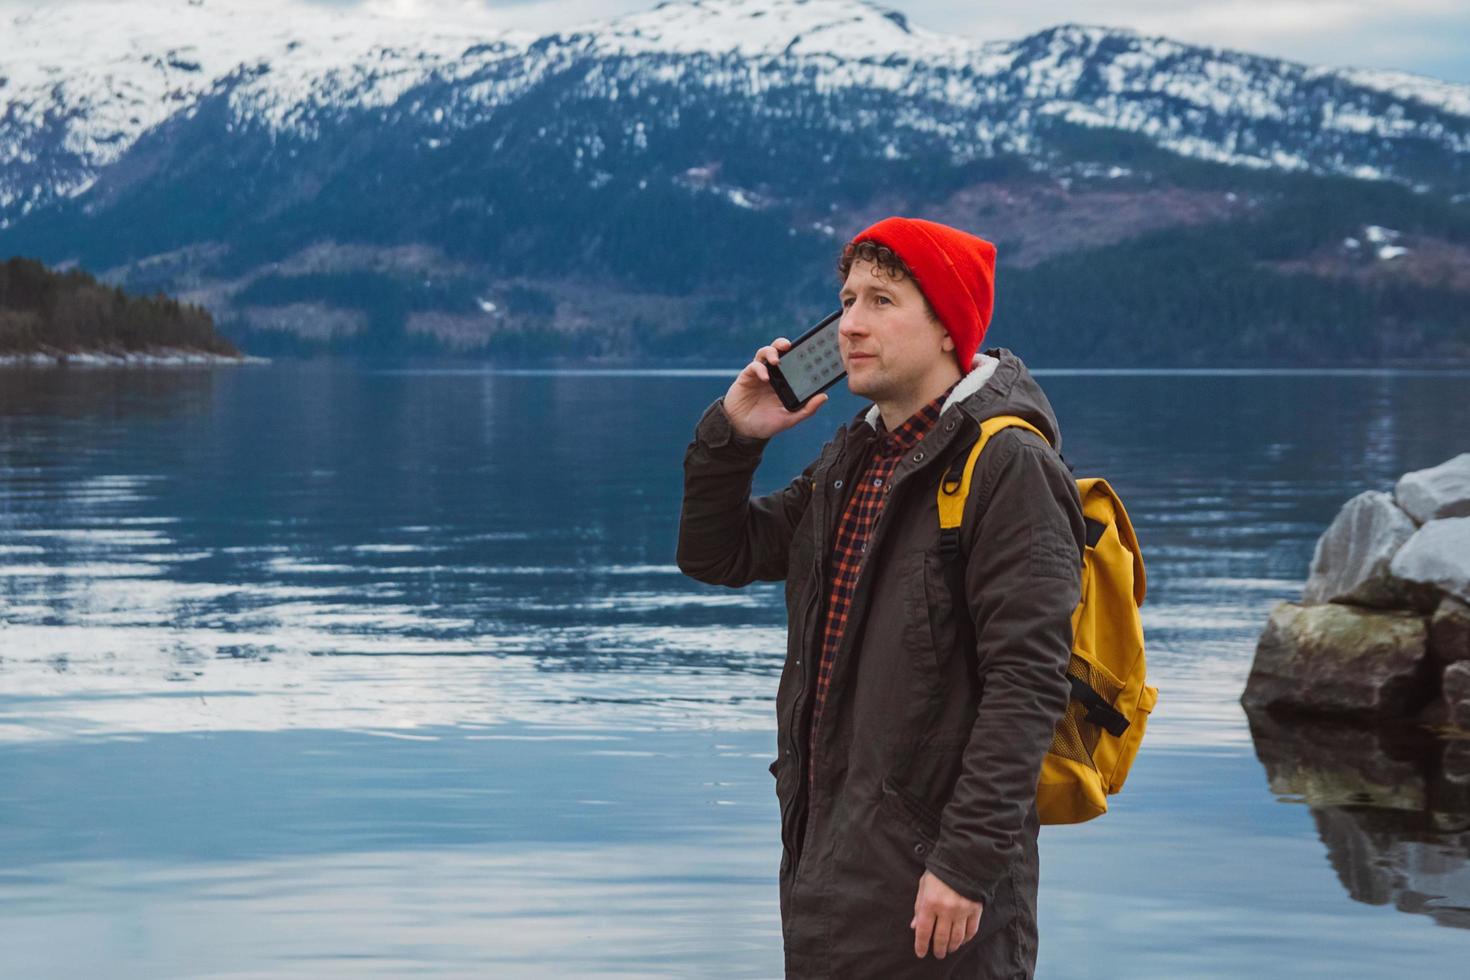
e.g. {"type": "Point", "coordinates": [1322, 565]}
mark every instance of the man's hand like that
{"type": "Point", "coordinates": [944, 914]}
{"type": "Point", "coordinates": [752, 405]}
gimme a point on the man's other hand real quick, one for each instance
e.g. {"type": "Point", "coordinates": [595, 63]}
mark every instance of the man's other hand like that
{"type": "Point", "coordinates": [752, 405]}
{"type": "Point", "coordinates": [943, 914]}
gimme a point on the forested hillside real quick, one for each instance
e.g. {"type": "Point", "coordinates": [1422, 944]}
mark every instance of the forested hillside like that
{"type": "Point", "coordinates": [48, 312]}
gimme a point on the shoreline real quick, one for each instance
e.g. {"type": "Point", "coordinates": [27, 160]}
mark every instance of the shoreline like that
{"type": "Point", "coordinates": [155, 357]}
{"type": "Point", "coordinates": [648, 367]}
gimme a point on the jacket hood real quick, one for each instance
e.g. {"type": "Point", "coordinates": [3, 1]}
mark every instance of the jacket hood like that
{"type": "Point", "coordinates": [998, 383]}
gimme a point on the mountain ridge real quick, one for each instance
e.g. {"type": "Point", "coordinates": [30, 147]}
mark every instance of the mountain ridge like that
{"type": "Point", "coordinates": [367, 60]}
{"type": "Point", "coordinates": [626, 156]}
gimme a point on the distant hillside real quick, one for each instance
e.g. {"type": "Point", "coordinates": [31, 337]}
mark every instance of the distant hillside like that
{"type": "Point", "coordinates": [675, 184]}
{"type": "Point", "coordinates": [60, 314]}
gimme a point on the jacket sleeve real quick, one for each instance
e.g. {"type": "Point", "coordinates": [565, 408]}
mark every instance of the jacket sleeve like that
{"type": "Point", "coordinates": [727, 537]}
{"type": "Point", "coordinates": [1023, 579]}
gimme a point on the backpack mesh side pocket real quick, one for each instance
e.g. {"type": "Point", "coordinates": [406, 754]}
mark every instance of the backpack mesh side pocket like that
{"type": "Point", "coordinates": [1075, 738]}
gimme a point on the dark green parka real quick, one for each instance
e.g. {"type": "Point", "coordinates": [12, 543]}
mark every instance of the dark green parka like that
{"type": "Point", "coordinates": [941, 705]}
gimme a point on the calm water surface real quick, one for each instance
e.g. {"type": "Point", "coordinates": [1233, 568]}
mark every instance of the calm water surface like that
{"type": "Point", "coordinates": [331, 671]}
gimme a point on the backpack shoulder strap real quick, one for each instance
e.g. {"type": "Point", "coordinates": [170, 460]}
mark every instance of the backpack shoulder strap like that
{"type": "Point", "coordinates": [954, 488]}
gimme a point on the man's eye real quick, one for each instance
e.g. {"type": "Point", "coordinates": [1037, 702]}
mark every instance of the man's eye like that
{"type": "Point", "coordinates": [883, 299]}
{"type": "Point", "coordinates": [846, 302]}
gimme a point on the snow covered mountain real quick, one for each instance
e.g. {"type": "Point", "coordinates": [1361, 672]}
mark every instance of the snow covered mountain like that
{"type": "Point", "coordinates": [82, 81]}
{"type": "Point", "coordinates": [205, 144]}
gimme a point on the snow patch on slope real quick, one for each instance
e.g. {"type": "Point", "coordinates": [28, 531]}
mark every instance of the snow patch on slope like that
{"type": "Point", "coordinates": [761, 28]}
{"type": "Point", "coordinates": [89, 78]}
{"type": "Point", "coordinates": [1447, 96]}
{"type": "Point", "coordinates": [84, 80]}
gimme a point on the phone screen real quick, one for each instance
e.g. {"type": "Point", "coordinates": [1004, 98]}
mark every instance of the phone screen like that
{"type": "Point", "coordinates": [813, 363]}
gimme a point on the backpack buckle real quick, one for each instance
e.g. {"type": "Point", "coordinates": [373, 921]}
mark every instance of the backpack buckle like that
{"type": "Point", "coordinates": [955, 477]}
{"type": "Point", "coordinates": [949, 544]}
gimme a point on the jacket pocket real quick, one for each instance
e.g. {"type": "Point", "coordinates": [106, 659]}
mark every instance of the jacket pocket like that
{"type": "Point", "coordinates": [915, 814]}
{"type": "Point", "coordinates": [943, 605]}
{"type": "Point", "coordinates": [922, 824]}
{"type": "Point", "coordinates": [929, 629]}
{"type": "Point", "coordinates": [918, 633]}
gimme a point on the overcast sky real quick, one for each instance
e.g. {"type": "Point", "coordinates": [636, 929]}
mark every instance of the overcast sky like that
{"type": "Point", "coordinates": [1431, 37]}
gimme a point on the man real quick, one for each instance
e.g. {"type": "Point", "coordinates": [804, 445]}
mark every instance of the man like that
{"type": "Point", "coordinates": [918, 696]}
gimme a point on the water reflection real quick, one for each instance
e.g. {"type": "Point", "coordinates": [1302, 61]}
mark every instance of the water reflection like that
{"type": "Point", "coordinates": [340, 658]}
{"type": "Point", "coordinates": [458, 852]}
{"type": "Point", "coordinates": [1392, 806]}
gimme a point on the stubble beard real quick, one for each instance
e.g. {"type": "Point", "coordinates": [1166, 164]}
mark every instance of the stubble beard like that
{"type": "Point", "coordinates": [871, 386]}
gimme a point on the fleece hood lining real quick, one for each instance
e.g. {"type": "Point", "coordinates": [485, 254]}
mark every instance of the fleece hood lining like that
{"type": "Point", "coordinates": [984, 367]}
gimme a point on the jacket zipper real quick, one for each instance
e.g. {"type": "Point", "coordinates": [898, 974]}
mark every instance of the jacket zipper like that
{"type": "Point", "coordinates": [841, 506]}
{"type": "Point", "coordinates": [793, 728]}
{"type": "Point", "coordinates": [795, 749]}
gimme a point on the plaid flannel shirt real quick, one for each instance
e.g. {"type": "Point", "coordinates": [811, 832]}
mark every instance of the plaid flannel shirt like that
{"type": "Point", "coordinates": [850, 542]}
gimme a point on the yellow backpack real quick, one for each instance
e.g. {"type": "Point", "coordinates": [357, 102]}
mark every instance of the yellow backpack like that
{"type": "Point", "coordinates": [1098, 736]}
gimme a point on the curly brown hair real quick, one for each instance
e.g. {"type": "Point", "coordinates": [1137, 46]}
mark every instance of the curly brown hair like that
{"type": "Point", "coordinates": [886, 263]}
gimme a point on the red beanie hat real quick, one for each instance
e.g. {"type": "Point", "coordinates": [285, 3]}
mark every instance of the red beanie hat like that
{"type": "Point", "coordinates": [955, 272]}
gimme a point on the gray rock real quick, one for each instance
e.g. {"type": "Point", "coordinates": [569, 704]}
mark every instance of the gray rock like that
{"type": "Point", "coordinates": [1449, 631]}
{"type": "Point", "coordinates": [1351, 561]}
{"type": "Point", "coordinates": [1438, 492]}
{"type": "Point", "coordinates": [1341, 660]}
{"type": "Point", "coordinates": [1455, 692]}
{"type": "Point", "coordinates": [1437, 556]}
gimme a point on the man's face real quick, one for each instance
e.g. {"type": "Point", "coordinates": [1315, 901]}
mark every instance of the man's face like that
{"type": "Point", "coordinates": [889, 345]}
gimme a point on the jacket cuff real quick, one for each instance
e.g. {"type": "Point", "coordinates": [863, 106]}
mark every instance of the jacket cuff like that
{"type": "Point", "coordinates": [975, 888]}
{"type": "Point", "coordinates": [714, 431]}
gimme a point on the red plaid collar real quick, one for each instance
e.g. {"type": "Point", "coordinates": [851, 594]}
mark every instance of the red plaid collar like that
{"type": "Point", "coordinates": [914, 428]}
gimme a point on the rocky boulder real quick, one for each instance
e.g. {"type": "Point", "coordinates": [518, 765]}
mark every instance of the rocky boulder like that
{"type": "Point", "coordinates": [1449, 632]}
{"type": "Point", "coordinates": [1351, 561]}
{"type": "Point", "coordinates": [1437, 557]}
{"type": "Point", "coordinates": [1438, 492]}
{"type": "Point", "coordinates": [1383, 630]}
{"type": "Point", "coordinates": [1340, 660]}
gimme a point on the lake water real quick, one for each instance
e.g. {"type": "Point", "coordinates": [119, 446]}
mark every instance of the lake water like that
{"type": "Point", "coordinates": [314, 669]}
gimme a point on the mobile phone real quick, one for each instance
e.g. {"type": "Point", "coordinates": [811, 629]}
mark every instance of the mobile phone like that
{"type": "Point", "coordinates": [811, 366]}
